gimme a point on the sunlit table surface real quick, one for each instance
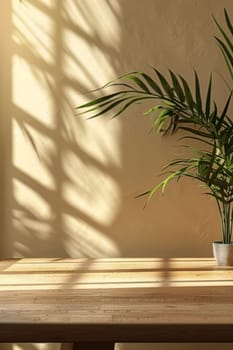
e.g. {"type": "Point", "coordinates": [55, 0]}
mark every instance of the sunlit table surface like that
{"type": "Point", "coordinates": [103, 301]}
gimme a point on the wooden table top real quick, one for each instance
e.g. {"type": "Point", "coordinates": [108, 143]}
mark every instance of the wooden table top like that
{"type": "Point", "coordinates": [120, 300]}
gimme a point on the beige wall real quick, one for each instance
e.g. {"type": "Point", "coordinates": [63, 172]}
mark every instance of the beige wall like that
{"type": "Point", "coordinates": [68, 185]}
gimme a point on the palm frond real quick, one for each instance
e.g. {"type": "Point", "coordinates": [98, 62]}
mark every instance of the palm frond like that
{"type": "Point", "coordinates": [225, 44]}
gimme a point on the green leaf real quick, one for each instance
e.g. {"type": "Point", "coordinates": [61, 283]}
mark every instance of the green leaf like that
{"type": "Point", "coordinates": [208, 99]}
{"type": "Point", "coordinates": [229, 66]}
{"type": "Point", "coordinates": [154, 190]}
{"type": "Point", "coordinates": [129, 103]}
{"type": "Point", "coordinates": [164, 84]}
{"type": "Point", "coordinates": [177, 87]}
{"type": "Point", "coordinates": [188, 94]}
{"type": "Point", "coordinates": [214, 115]}
{"type": "Point", "coordinates": [109, 108]}
{"type": "Point", "coordinates": [152, 83]}
{"type": "Point", "coordinates": [225, 49]}
{"type": "Point", "coordinates": [228, 21]}
{"type": "Point", "coordinates": [163, 116]}
{"type": "Point", "coordinates": [198, 94]}
{"type": "Point", "coordinates": [212, 160]}
{"type": "Point", "coordinates": [197, 132]}
{"type": "Point", "coordinates": [100, 107]}
{"type": "Point", "coordinates": [196, 139]}
{"type": "Point", "coordinates": [169, 178]}
{"type": "Point", "coordinates": [228, 41]}
{"type": "Point", "coordinates": [100, 100]}
{"type": "Point", "coordinates": [138, 81]}
{"type": "Point", "coordinates": [153, 109]}
{"type": "Point", "coordinates": [124, 85]}
{"type": "Point", "coordinates": [162, 184]}
{"type": "Point", "coordinates": [215, 174]}
{"type": "Point", "coordinates": [203, 168]}
{"type": "Point", "coordinates": [225, 109]}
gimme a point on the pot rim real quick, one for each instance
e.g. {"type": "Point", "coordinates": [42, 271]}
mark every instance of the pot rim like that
{"type": "Point", "coordinates": [221, 242]}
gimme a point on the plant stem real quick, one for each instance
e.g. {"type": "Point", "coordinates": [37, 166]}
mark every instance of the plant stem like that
{"type": "Point", "coordinates": [226, 217]}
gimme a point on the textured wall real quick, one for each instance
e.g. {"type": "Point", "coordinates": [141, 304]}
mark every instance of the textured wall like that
{"type": "Point", "coordinates": [68, 184]}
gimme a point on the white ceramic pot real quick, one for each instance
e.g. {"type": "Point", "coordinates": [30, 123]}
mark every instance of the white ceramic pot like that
{"type": "Point", "coordinates": [223, 253]}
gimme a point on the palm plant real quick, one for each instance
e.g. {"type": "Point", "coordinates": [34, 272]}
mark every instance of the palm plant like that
{"type": "Point", "coordinates": [176, 106]}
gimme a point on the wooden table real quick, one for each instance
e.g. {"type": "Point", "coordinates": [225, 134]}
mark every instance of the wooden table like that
{"type": "Point", "coordinates": [94, 303]}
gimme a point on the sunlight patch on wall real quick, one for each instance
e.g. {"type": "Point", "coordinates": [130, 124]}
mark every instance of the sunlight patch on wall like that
{"type": "Point", "coordinates": [89, 55]}
{"type": "Point", "coordinates": [98, 138]}
{"type": "Point", "coordinates": [96, 21]}
{"type": "Point", "coordinates": [33, 30]}
{"type": "Point", "coordinates": [84, 240]}
{"type": "Point", "coordinates": [90, 190]}
{"type": "Point", "coordinates": [32, 218]}
{"type": "Point", "coordinates": [34, 158]}
{"type": "Point", "coordinates": [47, 3]}
{"type": "Point", "coordinates": [31, 91]}
{"type": "Point", "coordinates": [85, 61]}
{"type": "Point", "coordinates": [35, 202]}
{"type": "Point", "coordinates": [65, 168]}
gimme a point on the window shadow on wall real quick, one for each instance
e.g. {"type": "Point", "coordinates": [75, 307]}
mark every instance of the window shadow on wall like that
{"type": "Point", "coordinates": [61, 190]}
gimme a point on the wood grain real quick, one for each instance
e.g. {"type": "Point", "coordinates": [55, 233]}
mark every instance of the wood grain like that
{"type": "Point", "coordinates": [115, 300]}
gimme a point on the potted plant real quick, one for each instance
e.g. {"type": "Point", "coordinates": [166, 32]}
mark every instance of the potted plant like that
{"type": "Point", "coordinates": [176, 107]}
